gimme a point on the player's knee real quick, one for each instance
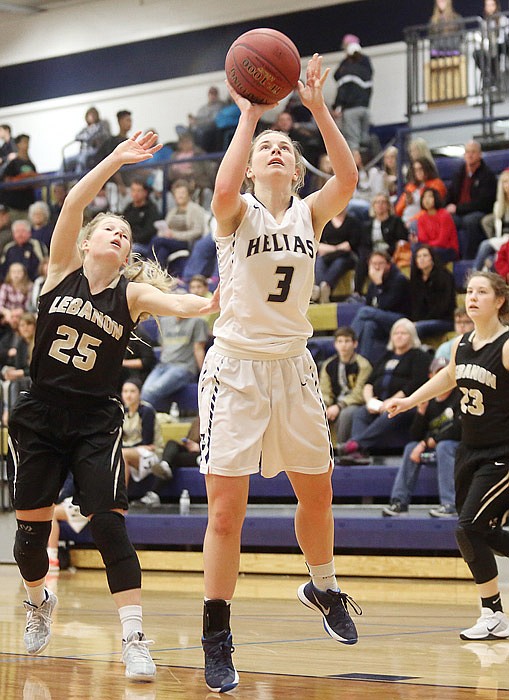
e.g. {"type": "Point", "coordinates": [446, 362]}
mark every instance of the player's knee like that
{"type": "Point", "coordinates": [29, 550]}
{"type": "Point", "coordinates": [118, 554]}
{"type": "Point", "coordinates": [224, 522]}
{"type": "Point", "coordinates": [470, 536]}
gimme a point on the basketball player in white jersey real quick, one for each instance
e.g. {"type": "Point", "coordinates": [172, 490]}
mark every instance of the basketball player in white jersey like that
{"type": "Point", "coordinates": [260, 403]}
{"type": "Point", "coordinates": [479, 366]}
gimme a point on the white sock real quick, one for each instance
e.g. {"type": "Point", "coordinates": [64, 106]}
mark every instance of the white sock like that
{"type": "Point", "coordinates": [52, 552]}
{"type": "Point", "coordinates": [324, 576]}
{"type": "Point", "coordinates": [131, 619]}
{"type": "Point", "coordinates": [36, 594]}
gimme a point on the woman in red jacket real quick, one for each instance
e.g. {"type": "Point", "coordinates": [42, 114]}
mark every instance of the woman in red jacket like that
{"type": "Point", "coordinates": [436, 227]}
{"type": "Point", "coordinates": [502, 262]}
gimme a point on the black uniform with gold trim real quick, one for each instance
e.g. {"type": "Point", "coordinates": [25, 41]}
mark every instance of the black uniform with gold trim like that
{"type": "Point", "coordinates": [482, 458]}
{"type": "Point", "coordinates": [71, 419]}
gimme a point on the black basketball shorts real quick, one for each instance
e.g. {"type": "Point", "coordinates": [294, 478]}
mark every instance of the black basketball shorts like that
{"type": "Point", "coordinates": [46, 442]}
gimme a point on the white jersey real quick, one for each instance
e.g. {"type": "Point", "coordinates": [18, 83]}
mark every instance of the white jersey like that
{"type": "Point", "coordinates": [266, 271]}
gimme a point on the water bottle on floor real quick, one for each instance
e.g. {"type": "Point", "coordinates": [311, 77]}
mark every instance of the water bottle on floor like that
{"type": "Point", "coordinates": [174, 412]}
{"type": "Point", "coordinates": [184, 502]}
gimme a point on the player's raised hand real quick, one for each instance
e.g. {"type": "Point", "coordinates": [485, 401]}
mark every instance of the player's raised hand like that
{"type": "Point", "coordinates": [244, 104]}
{"type": "Point", "coordinates": [311, 93]}
{"type": "Point", "coordinates": [138, 147]}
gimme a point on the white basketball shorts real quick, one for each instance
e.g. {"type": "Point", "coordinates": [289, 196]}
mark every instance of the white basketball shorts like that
{"type": "Point", "coordinates": [266, 414]}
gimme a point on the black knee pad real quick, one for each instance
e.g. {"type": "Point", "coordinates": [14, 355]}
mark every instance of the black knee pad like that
{"type": "Point", "coordinates": [119, 556]}
{"type": "Point", "coordinates": [465, 544]}
{"type": "Point", "coordinates": [29, 549]}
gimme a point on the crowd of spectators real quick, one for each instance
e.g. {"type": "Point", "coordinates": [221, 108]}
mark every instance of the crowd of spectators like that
{"type": "Point", "coordinates": [397, 248]}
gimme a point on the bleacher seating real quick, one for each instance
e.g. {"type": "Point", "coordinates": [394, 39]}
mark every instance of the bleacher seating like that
{"type": "Point", "coordinates": [269, 523]}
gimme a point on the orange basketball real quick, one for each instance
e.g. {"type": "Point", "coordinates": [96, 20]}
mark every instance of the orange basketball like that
{"type": "Point", "coordinates": [263, 65]}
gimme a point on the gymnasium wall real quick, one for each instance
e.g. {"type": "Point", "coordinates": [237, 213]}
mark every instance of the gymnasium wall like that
{"type": "Point", "coordinates": [157, 58]}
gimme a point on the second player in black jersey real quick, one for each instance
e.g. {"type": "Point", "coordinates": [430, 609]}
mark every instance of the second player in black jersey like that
{"type": "Point", "coordinates": [71, 419]}
{"type": "Point", "coordinates": [479, 367]}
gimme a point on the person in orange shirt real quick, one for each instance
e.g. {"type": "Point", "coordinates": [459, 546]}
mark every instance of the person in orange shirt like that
{"type": "Point", "coordinates": [423, 175]}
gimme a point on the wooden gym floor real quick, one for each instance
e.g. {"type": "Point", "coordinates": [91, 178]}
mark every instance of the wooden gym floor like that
{"type": "Point", "coordinates": [409, 645]}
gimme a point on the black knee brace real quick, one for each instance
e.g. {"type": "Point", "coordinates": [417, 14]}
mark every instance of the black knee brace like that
{"type": "Point", "coordinates": [119, 556]}
{"type": "Point", "coordinates": [477, 553]}
{"type": "Point", "coordinates": [29, 549]}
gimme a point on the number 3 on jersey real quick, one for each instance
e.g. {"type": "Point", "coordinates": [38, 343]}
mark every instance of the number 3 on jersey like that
{"type": "Point", "coordinates": [283, 284]}
{"type": "Point", "coordinates": [86, 357]}
{"type": "Point", "coordinates": [471, 401]}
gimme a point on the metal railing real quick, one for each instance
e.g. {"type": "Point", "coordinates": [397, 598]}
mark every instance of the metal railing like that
{"type": "Point", "coordinates": [42, 183]}
{"type": "Point", "coordinates": [465, 63]}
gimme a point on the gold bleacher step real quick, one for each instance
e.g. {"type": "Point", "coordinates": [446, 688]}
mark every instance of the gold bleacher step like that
{"type": "Point", "coordinates": [293, 564]}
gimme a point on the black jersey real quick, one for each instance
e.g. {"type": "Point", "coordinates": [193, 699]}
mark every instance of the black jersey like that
{"type": "Point", "coordinates": [80, 341]}
{"type": "Point", "coordinates": [484, 385]}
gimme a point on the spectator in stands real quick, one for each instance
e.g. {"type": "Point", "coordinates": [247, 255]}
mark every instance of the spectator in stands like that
{"type": "Point", "coordinates": [17, 170]}
{"type": "Point", "coordinates": [382, 232]}
{"type": "Point", "coordinates": [125, 124]}
{"type": "Point", "coordinates": [423, 175]}
{"type": "Point", "coordinates": [5, 226]}
{"type": "Point", "coordinates": [42, 273]}
{"type": "Point", "coordinates": [199, 285]}
{"type": "Point", "coordinates": [139, 359]}
{"type": "Point", "coordinates": [432, 292]}
{"type": "Point", "coordinates": [198, 173]}
{"type": "Point", "coordinates": [387, 300]}
{"type": "Point", "coordinates": [370, 182]}
{"type": "Point", "coordinates": [402, 369]}
{"type": "Point", "coordinates": [23, 248]}
{"type": "Point", "coordinates": [65, 511]}
{"type": "Point", "coordinates": [501, 264]}
{"type": "Point", "coordinates": [306, 135]}
{"type": "Point", "coordinates": [58, 195]}
{"type": "Point", "coordinates": [445, 30]}
{"type": "Point", "coordinates": [16, 372]}
{"type": "Point", "coordinates": [226, 122]}
{"type": "Point", "coordinates": [390, 172]}
{"type": "Point", "coordinates": [434, 438]}
{"type": "Point", "coordinates": [183, 351]}
{"type": "Point", "coordinates": [8, 331]}
{"type": "Point", "coordinates": [354, 76]}
{"type": "Point", "coordinates": [436, 227]}
{"type": "Point", "coordinates": [142, 441]}
{"type": "Point", "coordinates": [183, 453]}
{"type": "Point", "coordinates": [91, 138]}
{"type": "Point", "coordinates": [39, 215]}
{"type": "Point", "coordinates": [202, 125]}
{"type": "Point", "coordinates": [15, 291]}
{"type": "Point", "coordinates": [495, 225]}
{"type": "Point", "coordinates": [185, 223]}
{"type": "Point", "coordinates": [337, 253]}
{"type": "Point", "coordinates": [203, 257]}
{"type": "Point", "coordinates": [318, 179]}
{"type": "Point", "coordinates": [342, 380]}
{"type": "Point", "coordinates": [418, 148]}
{"type": "Point", "coordinates": [495, 44]}
{"type": "Point", "coordinates": [462, 324]}
{"type": "Point", "coordinates": [8, 148]}
{"type": "Point", "coordinates": [471, 195]}
{"type": "Point", "coordinates": [141, 214]}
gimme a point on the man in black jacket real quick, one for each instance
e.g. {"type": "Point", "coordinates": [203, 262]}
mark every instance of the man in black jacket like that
{"type": "Point", "coordinates": [471, 196]}
{"type": "Point", "coordinates": [354, 77]}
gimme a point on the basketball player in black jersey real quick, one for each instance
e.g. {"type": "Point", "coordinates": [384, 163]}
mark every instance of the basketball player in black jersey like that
{"type": "Point", "coordinates": [479, 366]}
{"type": "Point", "coordinates": [71, 419]}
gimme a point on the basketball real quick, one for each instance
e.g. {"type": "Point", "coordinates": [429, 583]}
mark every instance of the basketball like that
{"type": "Point", "coordinates": [263, 65]}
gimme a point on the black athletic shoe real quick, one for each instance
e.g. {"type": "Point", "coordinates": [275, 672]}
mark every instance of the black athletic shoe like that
{"type": "Point", "coordinates": [220, 673]}
{"type": "Point", "coordinates": [333, 606]}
